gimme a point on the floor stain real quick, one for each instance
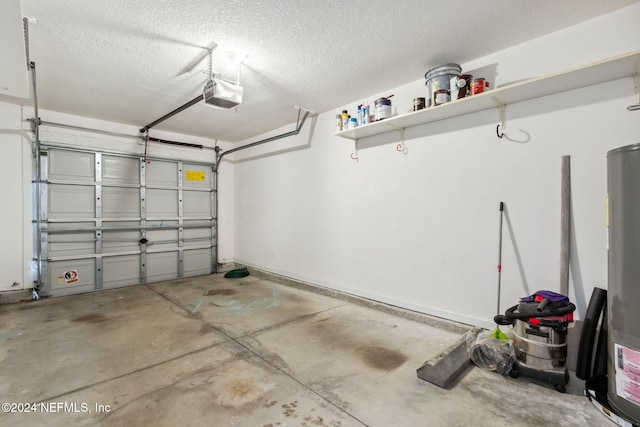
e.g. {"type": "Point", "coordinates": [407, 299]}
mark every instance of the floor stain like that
{"type": "Point", "coordinates": [290, 409]}
{"type": "Point", "coordinates": [238, 392]}
{"type": "Point", "coordinates": [256, 304]}
{"type": "Point", "coordinates": [240, 389]}
{"type": "Point", "coordinates": [269, 404]}
{"type": "Point", "coordinates": [206, 329]}
{"type": "Point", "coordinates": [223, 292]}
{"type": "Point", "coordinates": [25, 306]}
{"type": "Point", "coordinates": [9, 334]}
{"type": "Point", "coordinates": [319, 421]}
{"type": "Point", "coordinates": [91, 318]}
{"type": "Point", "coordinates": [380, 358]}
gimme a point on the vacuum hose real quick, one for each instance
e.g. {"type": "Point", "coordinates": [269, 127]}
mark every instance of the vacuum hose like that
{"type": "Point", "coordinates": [588, 335]}
{"type": "Point", "coordinates": [510, 315]}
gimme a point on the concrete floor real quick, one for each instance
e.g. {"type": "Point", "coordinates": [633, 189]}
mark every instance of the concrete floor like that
{"type": "Point", "coordinates": [248, 352]}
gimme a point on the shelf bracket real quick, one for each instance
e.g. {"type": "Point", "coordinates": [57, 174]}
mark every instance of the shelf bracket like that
{"type": "Point", "coordinates": [636, 89]}
{"type": "Point", "coordinates": [502, 108]}
{"type": "Point", "coordinates": [354, 155]}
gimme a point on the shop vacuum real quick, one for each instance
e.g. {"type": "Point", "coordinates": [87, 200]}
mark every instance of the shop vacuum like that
{"type": "Point", "coordinates": [540, 324]}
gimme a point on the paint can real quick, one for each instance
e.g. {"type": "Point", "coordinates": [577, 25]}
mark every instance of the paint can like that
{"type": "Point", "coordinates": [460, 86]}
{"type": "Point", "coordinates": [382, 108]}
{"type": "Point", "coordinates": [479, 86]}
{"type": "Point", "coordinates": [440, 78]}
{"type": "Point", "coordinates": [419, 104]}
{"type": "Point", "coordinates": [441, 96]}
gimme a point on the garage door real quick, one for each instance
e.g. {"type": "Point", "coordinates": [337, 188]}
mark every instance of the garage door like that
{"type": "Point", "coordinates": [113, 220]}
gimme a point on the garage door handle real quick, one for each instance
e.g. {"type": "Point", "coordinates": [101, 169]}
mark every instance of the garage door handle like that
{"type": "Point", "coordinates": [143, 241]}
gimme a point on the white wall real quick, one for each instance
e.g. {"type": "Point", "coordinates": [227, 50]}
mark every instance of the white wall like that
{"type": "Point", "coordinates": [16, 248]}
{"type": "Point", "coordinates": [15, 213]}
{"type": "Point", "coordinates": [421, 230]}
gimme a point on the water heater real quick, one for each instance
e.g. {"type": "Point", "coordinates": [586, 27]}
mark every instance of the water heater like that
{"type": "Point", "coordinates": [623, 219]}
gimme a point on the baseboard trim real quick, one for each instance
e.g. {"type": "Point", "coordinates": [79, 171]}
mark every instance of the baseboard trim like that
{"type": "Point", "coordinates": [12, 297]}
{"type": "Point", "coordinates": [437, 322]}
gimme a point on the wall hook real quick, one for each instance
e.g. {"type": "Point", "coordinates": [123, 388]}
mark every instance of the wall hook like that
{"type": "Point", "coordinates": [354, 156]}
{"type": "Point", "coordinates": [502, 109]}
{"type": "Point", "coordinates": [523, 139]}
{"type": "Point", "coordinates": [402, 148]}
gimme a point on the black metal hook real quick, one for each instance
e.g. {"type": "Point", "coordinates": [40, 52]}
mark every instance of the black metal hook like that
{"type": "Point", "coordinates": [500, 135]}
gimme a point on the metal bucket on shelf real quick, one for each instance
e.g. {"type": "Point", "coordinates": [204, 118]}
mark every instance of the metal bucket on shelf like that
{"type": "Point", "coordinates": [439, 78]}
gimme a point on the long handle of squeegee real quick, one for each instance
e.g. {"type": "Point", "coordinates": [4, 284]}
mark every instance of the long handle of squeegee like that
{"type": "Point", "coordinates": [500, 255]}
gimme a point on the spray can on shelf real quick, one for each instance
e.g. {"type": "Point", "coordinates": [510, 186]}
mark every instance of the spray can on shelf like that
{"type": "Point", "coordinates": [360, 115]}
{"type": "Point", "coordinates": [365, 113]}
{"type": "Point", "coordinates": [345, 119]}
{"type": "Point", "coordinates": [338, 122]}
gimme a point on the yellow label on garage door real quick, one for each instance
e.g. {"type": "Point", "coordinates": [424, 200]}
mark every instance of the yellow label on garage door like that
{"type": "Point", "coordinates": [195, 175]}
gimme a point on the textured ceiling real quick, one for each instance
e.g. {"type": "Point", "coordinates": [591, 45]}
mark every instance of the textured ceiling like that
{"type": "Point", "coordinates": [129, 61]}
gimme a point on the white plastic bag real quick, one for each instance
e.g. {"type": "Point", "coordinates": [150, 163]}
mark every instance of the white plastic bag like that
{"type": "Point", "coordinates": [491, 353]}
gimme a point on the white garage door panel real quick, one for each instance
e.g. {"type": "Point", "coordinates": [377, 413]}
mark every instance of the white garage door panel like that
{"type": "Point", "coordinates": [89, 225]}
{"type": "Point", "coordinates": [71, 166]}
{"type": "Point", "coordinates": [120, 170]}
{"type": "Point", "coordinates": [162, 174]}
{"type": "Point", "coordinates": [72, 276]}
{"type": "Point", "coordinates": [71, 201]}
{"type": "Point", "coordinates": [197, 236]}
{"type": "Point", "coordinates": [120, 241]}
{"type": "Point", "coordinates": [162, 203]}
{"type": "Point", "coordinates": [162, 239]}
{"type": "Point", "coordinates": [162, 266]}
{"type": "Point", "coordinates": [197, 262]}
{"type": "Point", "coordinates": [118, 271]}
{"type": "Point", "coordinates": [159, 224]}
{"type": "Point", "coordinates": [114, 220]}
{"type": "Point", "coordinates": [71, 244]}
{"type": "Point", "coordinates": [197, 204]}
{"type": "Point", "coordinates": [120, 202]}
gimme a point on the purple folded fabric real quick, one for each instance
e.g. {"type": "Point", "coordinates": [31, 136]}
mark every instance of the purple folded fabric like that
{"type": "Point", "coordinates": [550, 295]}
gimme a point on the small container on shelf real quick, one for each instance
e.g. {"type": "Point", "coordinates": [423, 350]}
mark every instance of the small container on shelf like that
{"type": "Point", "coordinates": [441, 96]}
{"type": "Point", "coordinates": [383, 108]}
{"type": "Point", "coordinates": [345, 119]}
{"type": "Point", "coordinates": [479, 85]}
{"type": "Point", "coordinates": [419, 104]}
